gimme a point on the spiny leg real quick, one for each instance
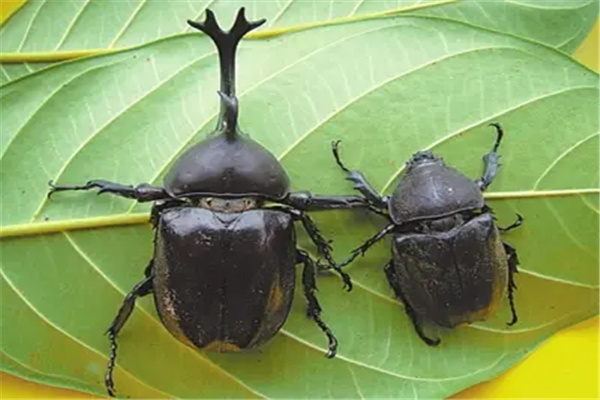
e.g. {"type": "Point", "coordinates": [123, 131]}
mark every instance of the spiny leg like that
{"type": "Point", "coordinates": [142, 192]}
{"type": "Point", "coordinates": [361, 250]}
{"type": "Point", "coordinates": [139, 290]}
{"type": "Point", "coordinates": [491, 161]}
{"type": "Point", "coordinates": [360, 182]}
{"type": "Point", "coordinates": [323, 245]}
{"type": "Point", "coordinates": [514, 225]}
{"type": "Point", "coordinates": [314, 309]}
{"type": "Point", "coordinates": [513, 262]}
{"type": "Point", "coordinates": [306, 201]}
{"type": "Point", "coordinates": [391, 276]}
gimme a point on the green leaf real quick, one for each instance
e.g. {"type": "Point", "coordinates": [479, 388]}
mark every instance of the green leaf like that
{"type": "Point", "coordinates": [49, 26]}
{"type": "Point", "coordinates": [387, 88]}
{"type": "Point", "coordinates": [557, 23]}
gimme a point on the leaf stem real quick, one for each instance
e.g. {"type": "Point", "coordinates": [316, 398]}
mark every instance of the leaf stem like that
{"type": "Point", "coordinates": [53, 56]}
{"type": "Point", "coordinates": [269, 33]}
{"type": "Point", "coordinates": [539, 193]}
{"type": "Point", "coordinates": [38, 228]}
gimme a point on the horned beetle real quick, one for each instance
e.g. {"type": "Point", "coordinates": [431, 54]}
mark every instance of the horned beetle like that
{"type": "Point", "coordinates": [223, 273]}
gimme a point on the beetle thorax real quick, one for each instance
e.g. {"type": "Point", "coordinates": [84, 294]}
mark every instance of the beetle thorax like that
{"type": "Point", "coordinates": [223, 167]}
{"type": "Point", "coordinates": [228, 204]}
{"type": "Point", "coordinates": [430, 189]}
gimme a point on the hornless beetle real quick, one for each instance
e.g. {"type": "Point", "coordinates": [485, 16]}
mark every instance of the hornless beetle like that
{"type": "Point", "coordinates": [449, 264]}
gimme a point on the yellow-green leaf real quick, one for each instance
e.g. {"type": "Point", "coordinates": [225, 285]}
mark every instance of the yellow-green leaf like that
{"type": "Point", "coordinates": [387, 88]}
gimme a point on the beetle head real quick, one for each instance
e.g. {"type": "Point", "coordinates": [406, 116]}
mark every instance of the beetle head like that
{"type": "Point", "coordinates": [423, 157]}
{"type": "Point", "coordinates": [228, 163]}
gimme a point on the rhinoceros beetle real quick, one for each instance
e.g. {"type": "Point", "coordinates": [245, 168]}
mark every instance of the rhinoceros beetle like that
{"type": "Point", "coordinates": [449, 264]}
{"type": "Point", "coordinates": [222, 273]}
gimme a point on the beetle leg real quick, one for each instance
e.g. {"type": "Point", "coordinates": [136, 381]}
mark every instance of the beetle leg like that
{"type": "Point", "coordinates": [514, 225]}
{"type": "Point", "coordinates": [141, 289]}
{"type": "Point", "coordinates": [491, 161]}
{"type": "Point", "coordinates": [306, 201]}
{"type": "Point", "coordinates": [142, 192]}
{"type": "Point", "coordinates": [323, 245]}
{"type": "Point", "coordinates": [513, 262]}
{"type": "Point", "coordinates": [391, 277]}
{"type": "Point", "coordinates": [361, 250]}
{"type": "Point", "coordinates": [360, 182]}
{"type": "Point", "coordinates": [314, 308]}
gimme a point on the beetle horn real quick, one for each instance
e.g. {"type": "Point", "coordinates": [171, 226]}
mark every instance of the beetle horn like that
{"type": "Point", "coordinates": [226, 43]}
{"type": "Point", "coordinates": [231, 112]}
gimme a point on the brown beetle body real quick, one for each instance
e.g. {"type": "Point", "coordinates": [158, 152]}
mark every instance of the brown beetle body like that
{"type": "Point", "coordinates": [225, 247]}
{"type": "Point", "coordinates": [451, 277]}
{"type": "Point", "coordinates": [224, 281]}
{"type": "Point", "coordinates": [449, 264]}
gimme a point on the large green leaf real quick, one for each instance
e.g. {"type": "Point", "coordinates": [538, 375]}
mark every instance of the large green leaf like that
{"type": "Point", "coordinates": [387, 88]}
{"type": "Point", "coordinates": [47, 26]}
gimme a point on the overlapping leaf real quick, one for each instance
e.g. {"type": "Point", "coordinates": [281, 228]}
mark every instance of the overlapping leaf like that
{"type": "Point", "coordinates": [47, 26]}
{"type": "Point", "coordinates": [387, 88]}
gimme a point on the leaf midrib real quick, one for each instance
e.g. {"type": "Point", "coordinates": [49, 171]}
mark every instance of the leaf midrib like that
{"type": "Point", "coordinates": [210, 117]}
{"type": "Point", "coordinates": [265, 33]}
{"type": "Point", "coordinates": [125, 219]}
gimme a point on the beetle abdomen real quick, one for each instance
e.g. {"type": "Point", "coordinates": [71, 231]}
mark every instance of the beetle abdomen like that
{"type": "Point", "coordinates": [452, 277]}
{"type": "Point", "coordinates": [224, 281]}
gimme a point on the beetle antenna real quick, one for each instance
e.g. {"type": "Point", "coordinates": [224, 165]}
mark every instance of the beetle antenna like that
{"type": "Point", "coordinates": [226, 43]}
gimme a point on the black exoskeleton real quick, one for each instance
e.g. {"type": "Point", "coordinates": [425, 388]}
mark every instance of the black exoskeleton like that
{"type": "Point", "coordinates": [223, 271]}
{"type": "Point", "coordinates": [449, 264]}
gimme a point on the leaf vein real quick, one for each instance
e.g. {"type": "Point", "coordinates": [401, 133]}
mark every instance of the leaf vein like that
{"type": "Point", "coordinates": [57, 328]}
{"type": "Point", "coordinates": [561, 156]}
{"type": "Point", "coordinates": [127, 23]}
{"type": "Point", "coordinates": [113, 119]}
{"type": "Point", "coordinates": [28, 29]}
{"type": "Point", "coordinates": [474, 124]}
{"type": "Point", "coordinates": [71, 25]}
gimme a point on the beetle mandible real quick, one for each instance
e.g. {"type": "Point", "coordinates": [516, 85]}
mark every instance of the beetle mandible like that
{"type": "Point", "coordinates": [222, 272]}
{"type": "Point", "coordinates": [449, 264]}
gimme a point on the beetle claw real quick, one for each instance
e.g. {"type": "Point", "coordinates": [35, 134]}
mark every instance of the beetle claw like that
{"type": "Point", "coordinates": [347, 282]}
{"type": "Point", "coordinates": [52, 190]}
{"type": "Point", "coordinates": [322, 266]}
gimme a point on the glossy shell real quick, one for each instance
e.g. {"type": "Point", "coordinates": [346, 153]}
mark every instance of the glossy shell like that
{"type": "Point", "coordinates": [452, 277]}
{"type": "Point", "coordinates": [224, 281]}
{"type": "Point", "coordinates": [219, 166]}
{"type": "Point", "coordinates": [431, 189]}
